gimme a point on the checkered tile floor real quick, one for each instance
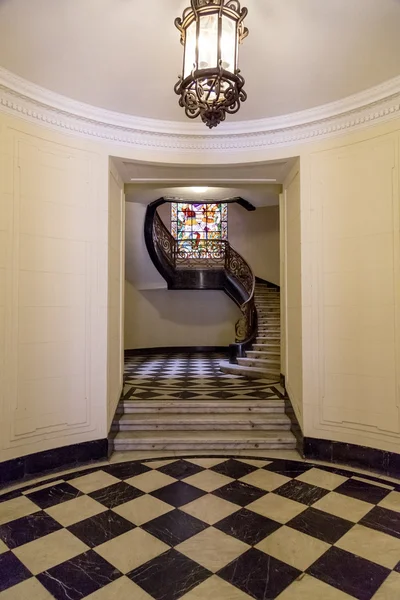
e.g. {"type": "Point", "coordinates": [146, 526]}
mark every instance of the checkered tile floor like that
{"type": "Point", "coordinates": [202, 528]}
{"type": "Point", "coordinates": [190, 377]}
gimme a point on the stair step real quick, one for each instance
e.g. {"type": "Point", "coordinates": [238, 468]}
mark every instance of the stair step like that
{"type": "Point", "coordinates": [197, 440]}
{"type": "Point", "coordinates": [235, 405]}
{"type": "Point", "coordinates": [269, 357]}
{"type": "Point", "coordinates": [268, 347]}
{"type": "Point", "coordinates": [187, 422]}
{"type": "Point", "coordinates": [262, 364]}
{"type": "Point", "coordinates": [250, 372]}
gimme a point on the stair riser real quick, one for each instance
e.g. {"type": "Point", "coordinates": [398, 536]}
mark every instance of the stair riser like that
{"type": "Point", "coordinates": [210, 427]}
{"type": "Point", "coordinates": [271, 356]}
{"type": "Point", "coordinates": [138, 445]}
{"type": "Point", "coordinates": [275, 348]}
{"type": "Point", "coordinates": [249, 373]}
{"type": "Point", "coordinates": [200, 410]}
{"type": "Point", "coordinates": [272, 364]}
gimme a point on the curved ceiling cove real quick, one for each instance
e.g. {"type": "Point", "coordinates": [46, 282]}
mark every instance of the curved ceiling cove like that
{"type": "Point", "coordinates": [125, 55]}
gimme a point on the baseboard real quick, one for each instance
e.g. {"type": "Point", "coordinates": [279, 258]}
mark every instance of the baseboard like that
{"type": "Point", "coordinates": [56, 459]}
{"type": "Point", "coordinates": [294, 423]}
{"type": "Point", "coordinates": [268, 283]}
{"type": "Point", "coordinates": [176, 350]}
{"type": "Point", "coordinates": [370, 459]}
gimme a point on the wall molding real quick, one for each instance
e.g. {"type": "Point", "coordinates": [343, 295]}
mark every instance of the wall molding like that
{"type": "Point", "coordinates": [22, 98]}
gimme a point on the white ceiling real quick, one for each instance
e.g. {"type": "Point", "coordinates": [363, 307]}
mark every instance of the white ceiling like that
{"type": "Point", "coordinates": [125, 55]}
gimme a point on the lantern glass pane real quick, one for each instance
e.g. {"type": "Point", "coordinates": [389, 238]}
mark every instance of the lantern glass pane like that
{"type": "Point", "coordinates": [208, 41]}
{"type": "Point", "coordinates": [190, 49]}
{"type": "Point", "coordinates": [228, 44]}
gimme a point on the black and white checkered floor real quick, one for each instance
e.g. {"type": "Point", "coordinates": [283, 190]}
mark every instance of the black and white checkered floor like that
{"type": "Point", "coordinates": [190, 377]}
{"type": "Point", "coordinates": [207, 528]}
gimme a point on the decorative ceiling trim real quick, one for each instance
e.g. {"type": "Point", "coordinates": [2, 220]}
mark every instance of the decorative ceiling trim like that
{"type": "Point", "coordinates": [36, 104]}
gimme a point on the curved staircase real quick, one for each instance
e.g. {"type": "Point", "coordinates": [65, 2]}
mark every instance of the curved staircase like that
{"type": "Point", "coordinates": [248, 415]}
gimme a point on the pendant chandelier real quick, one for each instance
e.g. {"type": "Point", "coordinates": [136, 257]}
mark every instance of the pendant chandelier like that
{"type": "Point", "coordinates": [211, 85]}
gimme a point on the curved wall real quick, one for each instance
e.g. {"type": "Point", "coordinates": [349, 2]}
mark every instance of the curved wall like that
{"type": "Point", "coordinates": [55, 281]}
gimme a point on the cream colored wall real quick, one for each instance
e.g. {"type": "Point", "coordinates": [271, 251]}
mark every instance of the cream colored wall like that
{"type": "Point", "coordinates": [116, 289]}
{"type": "Point", "coordinates": [157, 317]}
{"type": "Point", "coordinates": [255, 235]}
{"type": "Point", "coordinates": [291, 301]}
{"type": "Point", "coordinates": [53, 290]}
{"type": "Point", "coordinates": [350, 247]}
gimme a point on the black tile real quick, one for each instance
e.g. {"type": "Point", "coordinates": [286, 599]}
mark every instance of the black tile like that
{"type": "Point", "coordinates": [100, 528]}
{"type": "Point", "coordinates": [397, 567]}
{"type": "Point", "coordinates": [259, 575]}
{"type": "Point", "coordinates": [234, 468]}
{"type": "Point", "coordinates": [382, 519]}
{"type": "Point", "coordinates": [174, 527]}
{"type": "Point", "coordinates": [178, 493]}
{"type": "Point", "coordinates": [247, 526]}
{"type": "Point", "coordinates": [362, 491]}
{"type": "Point", "coordinates": [301, 492]}
{"type": "Point", "coordinates": [240, 493]}
{"type": "Point", "coordinates": [321, 525]}
{"type": "Point", "coordinates": [288, 468]}
{"type": "Point", "coordinates": [169, 576]}
{"type": "Point", "coordinates": [24, 530]}
{"type": "Point", "coordinates": [126, 470]}
{"type": "Point", "coordinates": [12, 571]}
{"type": "Point", "coordinates": [54, 495]}
{"type": "Point", "coordinates": [116, 494]}
{"type": "Point", "coordinates": [78, 577]}
{"type": "Point", "coordinates": [349, 573]}
{"type": "Point", "coordinates": [180, 469]}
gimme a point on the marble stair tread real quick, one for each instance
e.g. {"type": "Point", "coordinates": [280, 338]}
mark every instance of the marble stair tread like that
{"type": "Point", "coordinates": [271, 354]}
{"type": "Point", "coordinates": [235, 405]}
{"type": "Point", "coordinates": [191, 440]}
{"type": "Point", "coordinates": [269, 360]}
{"type": "Point", "coordinates": [249, 372]}
{"type": "Point", "coordinates": [259, 362]}
{"type": "Point", "coordinates": [211, 422]}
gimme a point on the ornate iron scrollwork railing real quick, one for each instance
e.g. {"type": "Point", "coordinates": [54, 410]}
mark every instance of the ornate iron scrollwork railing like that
{"type": "Point", "coordinates": [236, 265]}
{"type": "Point", "coordinates": [163, 239]}
{"type": "Point", "coordinates": [205, 254]}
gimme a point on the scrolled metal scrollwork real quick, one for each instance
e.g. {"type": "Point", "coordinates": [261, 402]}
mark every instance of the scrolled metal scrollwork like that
{"type": "Point", "coordinates": [194, 253]}
{"type": "Point", "coordinates": [164, 240]}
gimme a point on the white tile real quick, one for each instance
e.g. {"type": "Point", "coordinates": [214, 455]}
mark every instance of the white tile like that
{"type": "Point", "coordinates": [373, 545]}
{"type": "Point", "coordinates": [3, 547]}
{"type": "Point", "coordinates": [30, 589]}
{"type": "Point", "coordinates": [49, 551]}
{"type": "Point", "coordinates": [16, 508]}
{"type": "Point", "coordinates": [255, 463]}
{"type": "Point", "coordinates": [208, 480]}
{"type": "Point", "coordinates": [212, 549]}
{"type": "Point", "coordinates": [277, 508]}
{"type": "Point", "coordinates": [150, 481]}
{"type": "Point", "coordinates": [73, 511]}
{"type": "Point", "coordinates": [390, 589]}
{"type": "Point", "coordinates": [342, 506]}
{"type": "Point", "coordinates": [309, 588]}
{"type": "Point", "coordinates": [207, 463]}
{"type": "Point", "coordinates": [121, 589]}
{"type": "Point", "coordinates": [132, 549]}
{"type": "Point", "coordinates": [266, 480]}
{"type": "Point", "coordinates": [210, 509]}
{"type": "Point", "coordinates": [322, 479]}
{"type": "Point", "coordinates": [143, 509]}
{"type": "Point", "coordinates": [215, 588]}
{"type": "Point", "coordinates": [93, 482]}
{"type": "Point", "coordinates": [392, 501]}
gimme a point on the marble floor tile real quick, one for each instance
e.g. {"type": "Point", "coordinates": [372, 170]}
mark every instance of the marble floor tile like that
{"type": "Point", "coordinates": [154, 464]}
{"type": "Point", "coordinates": [301, 492]}
{"type": "Point", "coordinates": [174, 527]}
{"type": "Point", "coordinates": [126, 470]}
{"type": "Point", "coordinates": [240, 493]}
{"type": "Point", "coordinates": [293, 547]}
{"type": "Point", "coordinates": [373, 545]}
{"type": "Point", "coordinates": [210, 509]}
{"type": "Point", "coordinates": [16, 508]}
{"type": "Point", "coordinates": [248, 573]}
{"type": "Point", "coordinates": [247, 526]}
{"type": "Point", "coordinates": [101, 528]}
{"type": "Point", "coordinates": [180, 469]}
{"type": "Point", "coordinates": [3, 547]}
{"type": "Point", "coordinates": [116, 494]}
{"type": "Point", "coordinates": [72, 511]}
{"type": "Point", "coordinates": [391, 501]}
{"type": "Point", "coordinates": [94, 481]}
{"type": "Point", "coordinates": [53, 495]}
{"type": "Point", "coordinates": [143, 509]}
{"type": "Point", "coordinates": [343, 506]}
{"type": "Point", "coordinates": [29, 528]}
{"type": "Point", "coordinates": [208, 481]}
{"type": "Point", "coordinates": [49, 551]}
{"type": "Point", "coordinates": [234, 468]}
{"type": "Point", "coordinates": [357, 577]}
{"type": "Point", "coordinates": [322, 479]}
{"type": "Point", "coordinates": [178, 493]}
{"type": "Point", "coordinates": [277, 508]}
{"type": "Point", "coordinates": [363, 491]}
{"type": "Point", "coordinates": [150, 481]}
{"type": "Point", "coordinates": [132, 549]}
{"type": "Point", "coordinates": [288, 468]}
{"type": "Point", "coordinates": [30, 589]}
{"type": "Point", "coordinates": [12, 571]}
{"type": "Point", "coordinates": [384, 520]}
{"type": "Point", "coordinates": [309, 588]}
{"type": "Point", "coordinates": [390, 589]}
{"type": "Point", "coordinates": [321, 525]}
{"type": "Point", "coordinates": [212, 549]}
{"type": "Point", "coordinates": [78, 577]}
{"type": "Point", "coordinates": [265, 480]}
{"type": "Point", "coordinates": [259, 464]}
{"type": "Point", "coordinates": [215, 588]}
{"type": "Point", "coordinates": [120, 589]}
{"type": "Point", "coordinates": [38, 488]}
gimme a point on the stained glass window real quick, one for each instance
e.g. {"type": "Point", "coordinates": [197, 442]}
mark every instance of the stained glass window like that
{"type": "Point", "coordinates": [194, 224]}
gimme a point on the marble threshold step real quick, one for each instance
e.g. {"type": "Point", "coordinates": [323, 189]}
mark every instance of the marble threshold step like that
{"type": "Point", "coordinates": [210, 422]}
{"type": "Point", "coordinates": [276, 347]}
{"type": "Point", "coordinates": [262, 364]}
{"type": "Point", "coordinates": [207, 440]}
{"type": "Point", "coordinates": [235, 405]}
{"type": "Point", "coordinates": [249, 372]}
{"type": "Point", "coordinates": [265, 356]}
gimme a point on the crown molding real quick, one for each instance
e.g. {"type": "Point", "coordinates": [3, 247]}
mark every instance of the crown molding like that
{"type": "Point", "coordinates": [36, 104]}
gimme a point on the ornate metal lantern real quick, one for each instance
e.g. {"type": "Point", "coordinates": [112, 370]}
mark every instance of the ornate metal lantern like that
{"type": "Point", "coordinates": [211, 85]}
